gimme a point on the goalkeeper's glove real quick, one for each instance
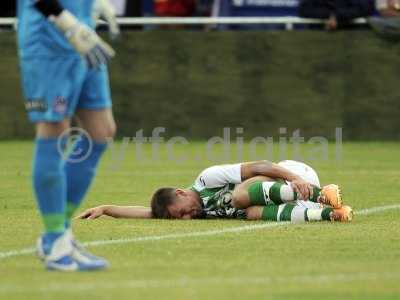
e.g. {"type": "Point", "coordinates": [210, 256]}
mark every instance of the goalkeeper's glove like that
{"type": "Point", "coordinates": [103, 9]}
{"type": "Point", "coordinates": [83, 39]}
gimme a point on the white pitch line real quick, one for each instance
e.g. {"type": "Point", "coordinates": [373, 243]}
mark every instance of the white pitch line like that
{"type": "Point", "coordinates": [17, 252]}
{"type": "Point", "coordinates": [372, 210]}
{"type": "Point", "coordinates": [31, 250]}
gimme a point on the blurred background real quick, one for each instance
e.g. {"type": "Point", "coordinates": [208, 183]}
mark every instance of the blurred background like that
{"type": "Point", "coordinates": [312, 65]}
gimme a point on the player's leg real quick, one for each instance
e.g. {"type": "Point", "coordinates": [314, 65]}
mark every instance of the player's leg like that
{"type": "Point", "coordinates": [49, 182]}
{"type": "Point", "coordinates": [241, 197]}
{"type": "Point", "coordinates": [257, 192]}
{"type": "Point", "coordinates": [96, 118]}
{"type": "Point", "coordinates": [298, 214]}
{"type": "Point", "coordinates": [47, 95]}
{"type": "Point", "coordinates": [261, 192]}
{"type": "Point", "coordinates": [100, 126]}
{"type": "Point", "coordinates": [328, 195]}
{"type": "Point", "coordinates": [277, 192]}
{"type": "Point", "coordinates": [51, 89]}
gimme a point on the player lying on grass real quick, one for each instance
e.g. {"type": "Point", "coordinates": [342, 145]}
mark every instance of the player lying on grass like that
{"type": "Point", "coordinates": [286, 191]}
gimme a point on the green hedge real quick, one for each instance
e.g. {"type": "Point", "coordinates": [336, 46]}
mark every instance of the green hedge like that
{"type": "Point", "coordinates": [195, 83]}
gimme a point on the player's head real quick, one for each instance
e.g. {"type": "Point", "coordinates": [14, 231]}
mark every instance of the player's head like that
{"type": "Point", "coordinates": [172, 203]}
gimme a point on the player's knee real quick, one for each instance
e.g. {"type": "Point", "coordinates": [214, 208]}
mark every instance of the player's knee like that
{"type": "Point", "coordinates": [106, 132]}
{"type": "Point", "coordinates": [111, 129]}
{"type": "Point", "coordinates": [240, 198]}
{"type": "Point", "coordinates": [253, 213]}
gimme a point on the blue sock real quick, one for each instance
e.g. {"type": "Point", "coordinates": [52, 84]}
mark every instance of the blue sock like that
{"type": "Point", "coordinates": [49, 185]}
{"type": "Point", "coordinates": [80, 169]}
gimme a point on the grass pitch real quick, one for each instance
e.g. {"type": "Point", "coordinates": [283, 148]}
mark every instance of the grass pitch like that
{"type": "Point", "coordinates": [360, 260]}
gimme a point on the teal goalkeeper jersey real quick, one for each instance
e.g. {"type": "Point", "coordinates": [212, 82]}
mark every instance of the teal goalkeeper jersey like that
{"type": "Point", "coordinates": [215, 186]}
{"type": "Point", "coordinates": [37, 37]}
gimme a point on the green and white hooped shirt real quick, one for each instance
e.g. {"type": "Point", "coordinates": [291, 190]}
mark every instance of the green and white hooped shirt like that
{"type": "Point", "coordinates": [215, 186]}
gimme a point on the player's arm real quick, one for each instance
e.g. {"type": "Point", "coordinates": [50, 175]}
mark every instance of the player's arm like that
{"type": "Point", "coordinates": [82, 38]}
{"type": "Point", "coordinates": [115, 211]}
{"type": "Point", "coordinates": [275, 171]}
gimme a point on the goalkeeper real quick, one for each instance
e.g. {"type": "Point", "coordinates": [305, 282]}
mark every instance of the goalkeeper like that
{"type": "Point", "coordinates": [64, 74]}
{"type": "Point", "coordinates": [286, 191]}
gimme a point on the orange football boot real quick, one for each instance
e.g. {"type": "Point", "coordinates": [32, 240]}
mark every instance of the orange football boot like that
{"type": "Point", "coordinates": [331, 195]}
{"type": "Point", "coordinates": [343, 214]}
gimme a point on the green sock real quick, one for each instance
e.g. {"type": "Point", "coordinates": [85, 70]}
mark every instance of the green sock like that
{"type": "Point", "coordinates": [270, 212]}
{"type": "Point", "coordinates": [256, 194]}
{"type": "Point", "coordinates": [280, 192]}
{"type": "Point", "coordinates": [273, 212]}
{"type": "Point", "coordinates": [326, 212]}
{"type": "Point", "coordinates": [54, 223]}
{"type": "Point", "coordinates": [295, 213]}
{"type": "Point", "coordinates": [264, 192]}
{"type": "Point", "coordinates": [286, 213]}
{"type": "Point", "coordinates": [316, 194]}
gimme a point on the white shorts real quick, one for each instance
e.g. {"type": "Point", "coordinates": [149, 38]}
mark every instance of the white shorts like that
{"type": "Point", "coordinates": [305, 172]}
{"type": "Point", "coordinates": [301, 169]}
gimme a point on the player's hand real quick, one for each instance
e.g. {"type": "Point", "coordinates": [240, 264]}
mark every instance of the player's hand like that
{"type": "Point", "coordinates": [103, 9]}
{"type": "Point", "coordinates": [84, 40]}
{"type": "Point", "coordinates": [91, 213]}
{"type": "Point", "coordinates": [302, 188]}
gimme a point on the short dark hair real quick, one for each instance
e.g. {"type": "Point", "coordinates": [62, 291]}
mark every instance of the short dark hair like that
{"type": "Point", "coordinates": [160, 201]}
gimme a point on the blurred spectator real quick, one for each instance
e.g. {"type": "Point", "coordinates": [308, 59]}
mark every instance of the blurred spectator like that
{"type": "Point", "coordinates": [256, 8]}
{"type": "Point", "coordinates": [338, 13]}
{"type": "Point", "coordinates": [388, 8]}
{"type": "Point", "coordinates": [174, 8]}
{"type": "Point", "coordinates": [7, 8]}
{"type": "Point", "coordinates": [387, 24]}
